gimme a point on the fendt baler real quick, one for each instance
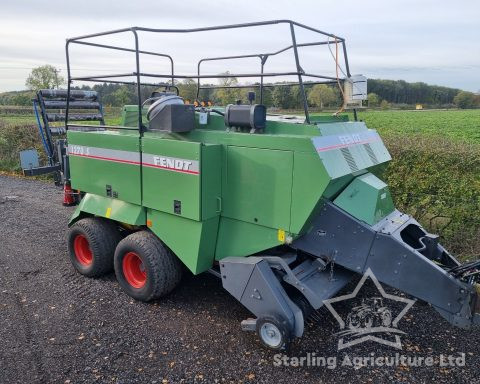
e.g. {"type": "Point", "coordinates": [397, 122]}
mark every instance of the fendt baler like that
{"type": "Point", "coordinates": [284, 210]}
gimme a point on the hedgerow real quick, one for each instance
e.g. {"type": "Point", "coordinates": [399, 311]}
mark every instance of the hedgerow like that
{"type": "Point", "coordinates": [437, 181]}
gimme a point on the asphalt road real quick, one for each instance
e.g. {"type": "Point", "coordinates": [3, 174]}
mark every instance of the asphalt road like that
{"type": "Point", "coordinates": [57, 326]}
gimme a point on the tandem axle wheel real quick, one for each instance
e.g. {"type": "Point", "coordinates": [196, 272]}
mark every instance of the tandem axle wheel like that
{"type": "Point", "coordinates": [145, 268]}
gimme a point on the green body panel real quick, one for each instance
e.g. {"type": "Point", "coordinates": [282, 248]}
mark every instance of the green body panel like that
{"type": "Point", "coordinates": [348, 160]}
{"type": "Point", "coordinates": [239, 238]}
{"type": "Point", "coordinates": [199, 194]}
{"type": "Point", "coordinates": [161, 187]}
{"type": "Point", "coordinates": [328, 118]}
{"type": "Point", "coordinates": [244, 192]}
{"type": "Point", "coordinates": [130, 115]}
{"type": "Point", "coordinates": [251, 175]}
{"type": "Point", "coordinates": [335, 186]}
{"type": "Point", "coordinates": [211, 180]}
{"type": "Point", "coordinates": [192, 241]}
{"type": "Point", "coordinates": [93, 174]}
{"type": "Point", "coordinates": [367, 198]}
{"type": "Point", "coordinates": [305, 187]}
{"type": "Point", "coordinates": [113, 209]}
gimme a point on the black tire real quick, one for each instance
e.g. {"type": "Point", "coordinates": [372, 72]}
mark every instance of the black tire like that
{"type": "Point", "coordinates": [98, 236]}
{"type": "Point", "coordinates": [281, 332]}
{"type": "Point", "coordinates": [161, 269]}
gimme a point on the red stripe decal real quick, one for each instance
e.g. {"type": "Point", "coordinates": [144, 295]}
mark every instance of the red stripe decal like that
{"type": "Point", "coordinates": [106, 158]}
{"type": "Point", "coordinates": [135, 163]}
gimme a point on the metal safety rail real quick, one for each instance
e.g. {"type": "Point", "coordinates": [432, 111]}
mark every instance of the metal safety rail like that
{"type": "Point", "coordinates": [170, 78]}
{"type": "Point", "coordinates": [263, 57]}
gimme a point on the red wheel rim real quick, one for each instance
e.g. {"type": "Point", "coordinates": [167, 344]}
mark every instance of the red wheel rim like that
{"type": "Point", "coordinates": [134, 270]}
{"type": "Point", "coordinates": [82, 250]}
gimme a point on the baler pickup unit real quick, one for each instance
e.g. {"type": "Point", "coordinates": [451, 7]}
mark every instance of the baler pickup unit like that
{"type": "Point", "coordinates": [50, 106]}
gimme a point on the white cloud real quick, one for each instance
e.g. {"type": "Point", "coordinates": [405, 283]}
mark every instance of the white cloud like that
{"type": "Point", "coordinates": [432, 41]}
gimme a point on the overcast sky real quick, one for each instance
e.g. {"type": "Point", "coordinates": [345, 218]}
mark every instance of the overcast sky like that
{"type": "Point", "coordinates": [435, 41]}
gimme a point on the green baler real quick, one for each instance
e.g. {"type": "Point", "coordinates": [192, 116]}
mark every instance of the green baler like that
{"type": "Point", "coordinates": [227, 193]}
{"type": "Point", "coordinates": [284, 210]}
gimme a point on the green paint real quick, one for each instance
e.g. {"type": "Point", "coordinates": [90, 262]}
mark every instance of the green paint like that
{"type": "Point", "coordinates": [305, 189]}
{"type": "Point", "coordinates": [130, 116]}
{"type": "Point", "coordinates": [161, 187]}
{"type": "Point", "coordinates": [211, 180]}
{"type": "Point", "coordinates": [93, 175]}
{"type": "Point", "coordinates": [192, 241]}
{"type": "Point", "coordinates": [238, 238]}
{"type": "Point", "coordinates": [117, 210]}
{"type": "Point", "coordinates": [258, 186]}
{"type": "Point", "coordinates": [328, 118]}
{"type": "Point", "coordinates": [248, 186]}
{"type": "Point", "coordinates": [367, 198]}
{"type": "Point", "coordinates": [347, 161]}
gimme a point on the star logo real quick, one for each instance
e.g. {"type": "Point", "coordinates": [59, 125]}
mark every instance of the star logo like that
{"type": "Point", "coordinates": [372, 318]}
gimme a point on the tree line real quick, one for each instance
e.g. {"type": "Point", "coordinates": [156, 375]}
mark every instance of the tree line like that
{"type": "Point", "coordinates": [401, 92]}
{"type": "Point", "coordinates": [382, 93]}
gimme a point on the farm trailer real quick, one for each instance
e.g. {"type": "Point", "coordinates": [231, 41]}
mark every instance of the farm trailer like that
{"type": "Point", "coordinates": [284, 210]}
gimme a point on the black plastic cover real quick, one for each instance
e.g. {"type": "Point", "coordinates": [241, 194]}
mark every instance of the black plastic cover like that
{"type": "Point", "coordinates": [246, 116]}
{"type": "Point", "coordinates": [174, 118]}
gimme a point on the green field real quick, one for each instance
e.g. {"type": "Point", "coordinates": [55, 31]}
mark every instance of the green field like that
{"type": "Point", "coordinates": [453, 124]}
{"type": "Point", "coordinates": [22, 119]}
{"type": "Point", "coordinates": [434, 175]}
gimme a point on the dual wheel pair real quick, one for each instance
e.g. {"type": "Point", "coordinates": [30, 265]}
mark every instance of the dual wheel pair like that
{"type": "Point", "coordinates": [145, 268]}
